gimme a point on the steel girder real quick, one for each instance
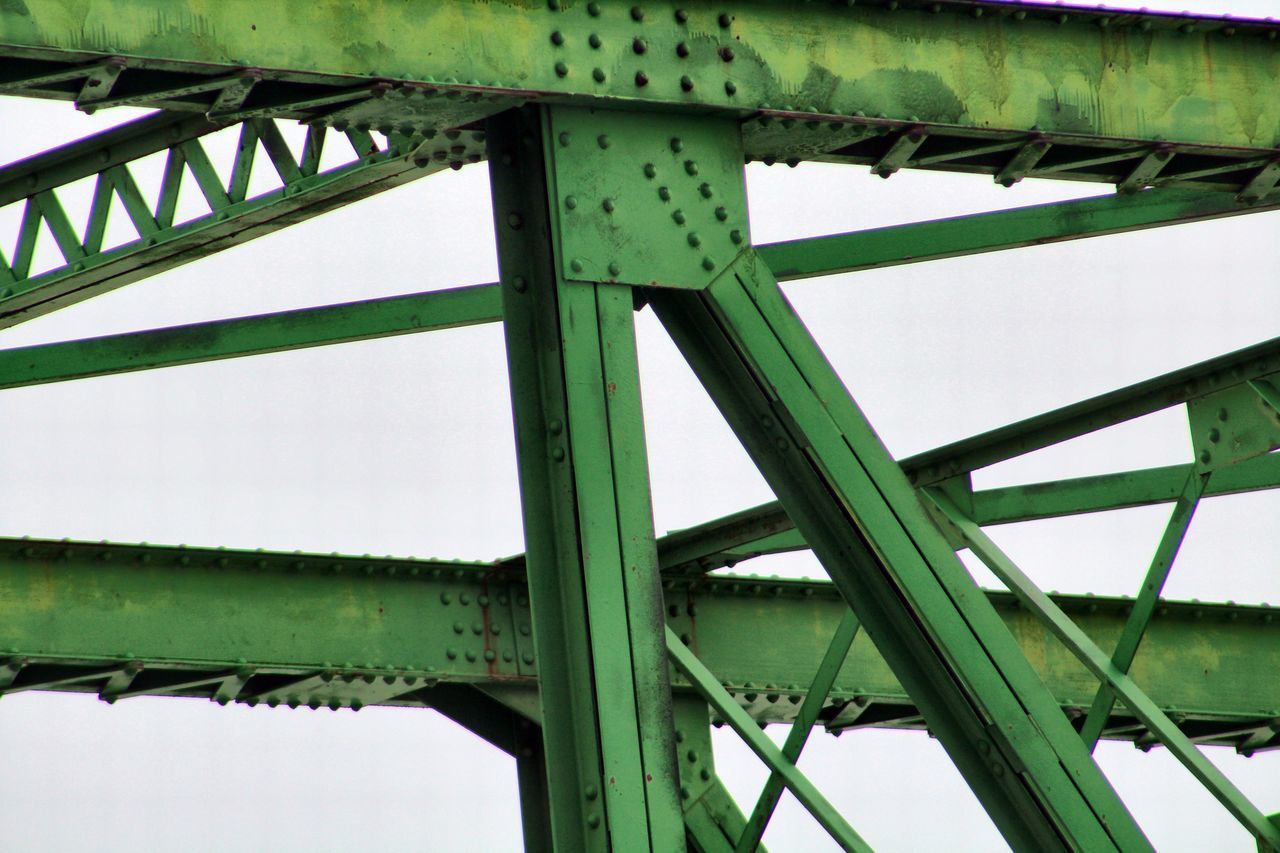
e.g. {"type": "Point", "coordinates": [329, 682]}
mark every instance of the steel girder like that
{"type": "Point", "coordinates": [605, 198]}
{"type": "Point", "coordinates": [241, 626]}
{"type": "Point", "coordinates": [1007, 89]}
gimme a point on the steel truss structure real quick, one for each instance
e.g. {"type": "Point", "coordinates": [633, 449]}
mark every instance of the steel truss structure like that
{"type": "Point", "coordinates": [615, 134]}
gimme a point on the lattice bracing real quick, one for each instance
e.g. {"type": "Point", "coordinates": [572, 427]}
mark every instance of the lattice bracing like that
{"type": "Point", "coordinates": [615, 136]}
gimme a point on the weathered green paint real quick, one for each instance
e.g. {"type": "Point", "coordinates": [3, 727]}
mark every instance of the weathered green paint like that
{"type": "Point", "coordinates": [707, 686]}
{"type": "Point", "coordinates": [620, 174]}
{"type": "Point", "coordinates": [1115, 407]}
{"type": "Point", "coordinates": [1145, 603]}
{"type": "Point", "coordinates": [1124, 687]}
{"type": "Point", "coordinates": [192, 614]}
{"type": "Point", "coordinates": [219, 339]}
{"type": "Point", "coordinates": [1092, 73]}
{"type": "Point", "coordinates": [915, 599]}
{"type": "Point", "coordinates": [991, 232]}
{"type": "Point", "coordinates": [162, 242]}
{"type": "Point", "coordinates": [591, 558]}
{"type": "Point", "coordinates": [810, 708]}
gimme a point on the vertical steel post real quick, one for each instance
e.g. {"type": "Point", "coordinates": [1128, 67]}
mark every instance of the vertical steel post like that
{"type": "Point", "coordinates": [592, 564]}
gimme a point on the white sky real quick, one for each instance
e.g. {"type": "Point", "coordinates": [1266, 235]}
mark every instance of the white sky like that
{"type": "Point", "coordinates": [404, 446]}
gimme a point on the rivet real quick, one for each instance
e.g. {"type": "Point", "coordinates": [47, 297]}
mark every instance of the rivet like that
{"type": "Point", "coordinates": [562, 70]}
{"type": "Point", "coordinates": [684, 792]}
{"type": "Point", "coordinates": [524, 630]}
{"type": "Point", "coordinates": [594, 41]}
{"type": "Point", "coordinates": [639, 45]}
{"type": "Point", "coordinates": [464, 598]}
{"type": "Point", "coordinates": [576, 265]}
{"type": "Point", "coordinates": [637, 14]}
{"type": "Point", "coordinates": [678, 216]}
{"type": "Point", "coordinates": [676, 144]}
{"type": "Point", "coordinates": [694, 239]}
{"type": "Point", "coordinates": [692, 755]}
{"type": "Point", "coordinates": [1215, 436]}
{"type": "Point", "coordinates": [708, 264]}
{"type": "Point", "coordinates": [593, 9]}
{"type": "Point", "coordinates": [1205, 457]}
{"type": "Point", "coordinates": [642, 79]}
{"type": "Point", "coordinates": [736, 236]}
{"type": "Point", "coordinates": [593, 820]}
{"type": "Point", "coordinates": [682, 50]}
{"type": "Point", "coordinates": [565, 138]}
{"type": "Point", "coordinates": [490, 655]}
{"type": "Point", "coordinates": [704, 774]}
{"type": "Point", "coordinates": [650, 170]}
{"type": "Point", "coordinates": [705, 190]}
{"type": "Point", "coordinates": [690, 167]}
{"type": "Point", "coordinates": [725, 19]}
{"type": "Point", "coordinates": [570, 202]}
{"type": "Point", "coordinates": [686, 83]}
{"type": "Point", "coordinates": [555, 426]}
{"type": "Point", "coordinates": [558, 454]}
{"type": "Point", "coordinates": [726, 53]}
{"type": "Point", "coordinates": [591, 792]}
{"type": "Point", "coordinates": [515, 220]}
{"type": "Point", "coordinates": [607, 204]}
{"type": "Point", "coordinates": [527, 657]}
{"type": "Point", "coordinates": [614, 269]}
{"type": "Point", "coordinates": [603, 140]}
{"type": "Point", "coordinates": [664, 193]}
{"type": "Point", "coordinates": [681, 16]}
{"type": "Point", "coordinates": [730, 88]}
{"type": "Point", "coordinates": [557, 38]}
{"type": "Point", "coordinates": [518, 284]}
{"type": "Point", "coordinates": [598, 75]}
{"type": "Point", "coordinates": [471, 657]}
{"type": "Point", "coordinates": [1223, 414]}
{"type": "Point", "coordinates": [722, 214]}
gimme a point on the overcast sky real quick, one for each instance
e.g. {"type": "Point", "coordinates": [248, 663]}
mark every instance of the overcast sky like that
{"type": "Point", "coordinates": [404, 446]}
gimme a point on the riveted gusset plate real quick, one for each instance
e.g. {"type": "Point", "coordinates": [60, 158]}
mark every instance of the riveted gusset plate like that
{"type": "Point", "coordinates": [1232, 425]}
{"type": "Point", "coordinates": [646, 203]}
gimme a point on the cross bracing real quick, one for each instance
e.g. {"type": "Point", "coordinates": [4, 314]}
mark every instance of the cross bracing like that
{"type": "Point", "coordinates": [607, 200]}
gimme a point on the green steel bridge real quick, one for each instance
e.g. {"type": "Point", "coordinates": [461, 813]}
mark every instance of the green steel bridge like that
{"type": "Point", "coordinates": [616, 136]}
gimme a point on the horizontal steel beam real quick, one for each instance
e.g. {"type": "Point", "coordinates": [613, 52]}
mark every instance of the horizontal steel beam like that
{"type": "Point", "coordinates": [1003, 229]}
{"type": "Point", "coordinates": [334, 631]}
{"type": "Point", "coordinates": [970, 84]}
{"type": "Point", "coordinates": [265, 333]}
{"type": "Point", "coordinates": [859, 250]}
{"type": "Point", "coordinates": [1117, 491]}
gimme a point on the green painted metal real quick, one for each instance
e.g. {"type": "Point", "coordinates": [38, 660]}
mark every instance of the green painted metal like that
{"type": "Point", "coordinates": [264, 333]}
{"type": "Point", "coordinates": [990, 232]}
{"type": "Point", "coordinates": [625, 186]}
{"type": "Point", "coordinates": [710, 689]}
{"type": "Point", "coordinates": [1145, 603]}
{"type": "Point", "coordinates": [229, 217]}
{"type": "Point", "coordinates": [1018, 67]}
{"type": "Point", "coordinates": [622, 174]}
{"type": "Point", "coordinates": [915, 600]}
{"type": "Point", "coordinates": [710, 814]}
{"type": "Point", "coordinates": [197, 618]}
{"type": "Point", "coordinates": [810, 708]}
{"type": "Point", "coordinates": [591, 559]}
{"type": "Point", "coordinates": [1112, 676]}
{"type": "Point", "coordinates": [1115, 407]}
{"type": "Point", "coordinates": [1117, 491]}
